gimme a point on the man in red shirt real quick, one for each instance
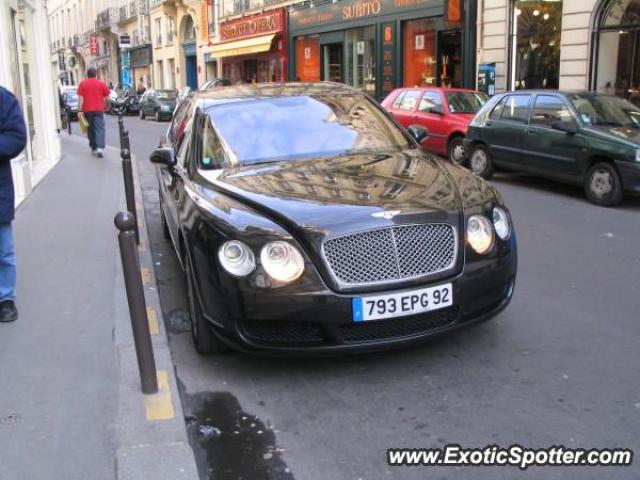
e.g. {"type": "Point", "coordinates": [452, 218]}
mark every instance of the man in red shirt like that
{"type": "Point", "coordinates": [92, 103]}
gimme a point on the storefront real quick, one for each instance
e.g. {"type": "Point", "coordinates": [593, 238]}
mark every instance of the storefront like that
{"type": "Point", "coordinates": [253, 48]}
{"type": "Point", "coordinates": [379, 45]}
{"type": "Point", "coordinates": [140, 63]}
{"type": "Point", "coordinates": [616, 55]}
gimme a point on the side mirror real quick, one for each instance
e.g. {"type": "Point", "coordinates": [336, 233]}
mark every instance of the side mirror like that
{"type": "Point", "coordinates": [418, 133]}
{"type": "Point", "coordinates": [566, 127]}
{"type": "Point", "coordinates": [163, 156]}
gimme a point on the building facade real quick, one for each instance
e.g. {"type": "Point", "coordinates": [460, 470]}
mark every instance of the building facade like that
{"type": "Point", "coordinates": [25, 71]}
{"type": "Point", "coordinates": [566, 44]}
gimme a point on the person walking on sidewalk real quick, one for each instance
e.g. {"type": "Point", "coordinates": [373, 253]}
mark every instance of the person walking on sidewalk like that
{"type": "Point", "coordinates": [13, 138]}
{"type": "Point", "coordinates": [93, 95]}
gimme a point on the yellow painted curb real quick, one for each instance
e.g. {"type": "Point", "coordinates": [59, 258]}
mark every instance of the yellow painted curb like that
{"type": "Point", "coordinates": [146, 276]}
{"type": "Point", "coordinates": [142, 247]}
{"type": "Point", "coordinates": [152, 316]}
{"type": "Point", "coordinates": [159, 406]}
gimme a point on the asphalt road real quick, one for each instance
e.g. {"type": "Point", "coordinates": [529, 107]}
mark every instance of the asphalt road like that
{"type": "Point", "coordinates": [560, 366]}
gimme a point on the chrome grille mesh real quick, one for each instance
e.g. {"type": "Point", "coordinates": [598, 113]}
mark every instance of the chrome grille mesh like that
{"type": "Point", "coordinates": [391, 254]}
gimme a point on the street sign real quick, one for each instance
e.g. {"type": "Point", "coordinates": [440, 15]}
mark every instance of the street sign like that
{"type": "Point", "coordinates": [125, 41]}
{"type": "Point", "coordinates": [93, 45]}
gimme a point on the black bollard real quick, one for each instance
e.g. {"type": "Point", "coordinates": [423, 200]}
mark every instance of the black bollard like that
{"type": "Point", "coordinates": [125, 222]}
{"type": "Point", "coordinates": [129, 189]}
{"type": "Point", "coordinates": [121, 131]}
{"type": "Point", "coordinates": [68, 121]}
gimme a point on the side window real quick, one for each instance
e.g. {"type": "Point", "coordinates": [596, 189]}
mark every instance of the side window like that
{"type": "Point", "coordinates": [409, 100]}
{"type": "Point", "coordinates": [549, 109]}
{"type": "Point", "coordinates": [430, 100]}
{"type": "Point", "coordinates": [183, 149]}
{"type": "Point", "coordinates": [497, 110]}
{"type": "Point", "coordinates": [179, 125]}
{"type": "Point", "coordinates": [212, 157]}
{"type": "Point", "coordinates": [398, 100]}
{"type": "Point", "coordinates": [516, 108]}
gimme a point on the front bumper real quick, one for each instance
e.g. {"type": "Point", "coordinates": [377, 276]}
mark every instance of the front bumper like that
{"type": "Point", "coordinates": [321, 322]}
{"type": "Point", "coordinates": [629, 175]}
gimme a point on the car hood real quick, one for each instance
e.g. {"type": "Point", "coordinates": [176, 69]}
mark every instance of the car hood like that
{"type": "Point", "coordinates": [629, 136]}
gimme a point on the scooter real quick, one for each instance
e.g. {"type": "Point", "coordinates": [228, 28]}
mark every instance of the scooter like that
{"type": "Point", "coordinates": [125, 105]}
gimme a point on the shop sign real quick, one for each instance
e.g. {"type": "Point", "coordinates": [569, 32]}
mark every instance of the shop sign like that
{"type": "Point", "coordinates": [453, 11]}
{"type": "Point", "coordinates": [354, 10]}
{"type": "Point", "coordinates": [93, 45]}
{"type": "Point", "coordinates": [204, 21]}
{"type": "Point", "coordinates": [125, 41]}
{"type": "Point", "coordinates": [252, 26]}
{"type": "Point", "coordinates": [388, 58]}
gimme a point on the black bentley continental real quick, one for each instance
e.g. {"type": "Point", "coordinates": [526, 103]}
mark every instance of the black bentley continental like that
{"type": "Point", "coordinates": [308, 221]}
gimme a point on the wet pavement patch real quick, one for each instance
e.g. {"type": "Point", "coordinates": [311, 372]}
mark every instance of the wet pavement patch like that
{"type": "Point", "coordinates": [177, 321]}
{"type": "Point", "coordinates": [231, 444]}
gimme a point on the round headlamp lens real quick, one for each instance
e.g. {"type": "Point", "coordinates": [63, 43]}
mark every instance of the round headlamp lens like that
{"type": "Point", "coordinates": [237, 258]}
{"type": "Point", "coordinates": [282, 261]}
{"type": "Point", "coordinates": [501, 223]}
{"type": "Point", "coordinates": [479, 234]}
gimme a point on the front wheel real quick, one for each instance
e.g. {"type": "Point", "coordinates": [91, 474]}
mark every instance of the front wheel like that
{"type": "Point", "coordinates": [481, 163]}
{"type": "Point", "coordinates": [204, 340]}
{"type": "Point", "coordinates": [456, 151]}
{"type": "Point", "coordinates": [603, 186]}
{"type": "Point", "coordinates": [142, 115]}
{"type": "Point", "coordinates": [158, 116]}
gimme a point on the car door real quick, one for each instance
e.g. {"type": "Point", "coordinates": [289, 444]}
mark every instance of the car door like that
{"type": "Point", "coordinates": [430, 114]}
{"type": "Point", "coordinates": [506, 129]}
{"type": "Point", "coordinates": [171, 179]}
{"type": "Point", "coordinates": [551, 152]}
{"type": "Point", "coordinates": [404, 107]}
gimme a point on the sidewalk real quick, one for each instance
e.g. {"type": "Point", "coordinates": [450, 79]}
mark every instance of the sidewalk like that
{"type": "Point", "coordinates": [70, 403]}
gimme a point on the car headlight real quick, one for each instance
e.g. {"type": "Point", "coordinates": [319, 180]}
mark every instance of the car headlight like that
{"type": "Point", "coordinates": [282, 261]}
{"type": "Point", "coordinates": [237, 258]}
{"type": "Point", "coordinates": [479, 234]}
{"type": "Point", "coordinates": [501, 223]}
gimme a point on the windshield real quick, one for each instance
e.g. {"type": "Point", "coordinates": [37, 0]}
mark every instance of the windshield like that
{"type": "Point", "coordinates": [283, 128]}
{"type": "Point", "coordinates": [606, 111]}
{"type": "Point", "coordinates": [71, 95]}
{"type": "Point", "coordinates": [466, 102]}
{"type": "Point", "coordinates": [167, 94]}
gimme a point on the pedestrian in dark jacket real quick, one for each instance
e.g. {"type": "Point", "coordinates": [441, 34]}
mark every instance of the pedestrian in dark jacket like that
{"type": "Point", "coordinates": [13, 138]}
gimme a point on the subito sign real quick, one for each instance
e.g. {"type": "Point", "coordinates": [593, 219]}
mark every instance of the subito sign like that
{"type": "Point", "coordinates": [204, 20]}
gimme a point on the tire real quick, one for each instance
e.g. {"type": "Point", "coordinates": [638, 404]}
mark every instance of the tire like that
{"type": "Point", "coordinates": [602, 185]}
{"type": "Point", "coordinates": [204, 340]}
{"type": "Point", "coordinates": [142, 115]}
{"type": "Point", "coordinates": [480, 162]}
{"type": "Point", "coordinates": [456, 151]}
{"type": "Point", "coordinates": [158, 119]}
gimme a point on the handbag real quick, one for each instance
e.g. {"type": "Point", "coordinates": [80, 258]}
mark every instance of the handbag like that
{"type": "Point", "coordinates": [83, 122]}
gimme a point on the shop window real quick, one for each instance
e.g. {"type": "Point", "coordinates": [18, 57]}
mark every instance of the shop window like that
{"type": "Point", "coordinates": [618, 65]}
{"type": "Point", "coordinates": [535, 44]}
{"type": "Point", "coordinates": [360, 62]}
{"type": "Point", "coordinates": [420, 60]}
{"type": "Point", "coordinates": [308, 58]}
{"type": "Point", "coordinates": [549, 109]}
{"type": "Point", "coordinates": [516, 108]}
{"type": "Point", "coordinates": [409, 100]}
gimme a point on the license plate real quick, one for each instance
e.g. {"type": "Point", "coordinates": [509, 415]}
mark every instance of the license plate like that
{"type": "Point", "coordinates": [401, 304]}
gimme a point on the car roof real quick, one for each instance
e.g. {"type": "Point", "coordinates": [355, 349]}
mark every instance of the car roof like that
{"type": "Point", "coordinates": [558, 92]}
{"type": "Point", "coordinates": [269, 90]}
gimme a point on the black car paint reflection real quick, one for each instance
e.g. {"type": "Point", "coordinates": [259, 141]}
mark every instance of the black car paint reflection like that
{"type": "Point", "coordinates": [211, 194]}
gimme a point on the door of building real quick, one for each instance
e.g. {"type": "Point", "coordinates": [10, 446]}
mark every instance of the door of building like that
{"type": "Point", "coordinates": [332, 64]}
{"type": "Point", "coordinates": [450, 58]}
{"type": "Point", "coordinates": [191, 69]}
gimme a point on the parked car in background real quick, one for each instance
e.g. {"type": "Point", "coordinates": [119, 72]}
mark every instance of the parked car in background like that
{"type": "Point", "coordinates": [158, 104]}
{"type": "Point", "coordinates": [582, 138]}
{"type": "Point", "coordinates": [444, 112]}
{"type": "Point", "coordinates": [70, 100]}
{"type": "Point", "coordinates": [216, 82]}
{"type": "Point", "coordinates": [308, 222]}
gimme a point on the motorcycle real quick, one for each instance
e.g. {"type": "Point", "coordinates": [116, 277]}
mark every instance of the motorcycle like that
{"type": "Point", "coordinates": [125, 105]}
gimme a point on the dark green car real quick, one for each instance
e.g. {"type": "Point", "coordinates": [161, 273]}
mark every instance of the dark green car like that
{"type": "Point", "coordinates": [581, 138]}
{"type": "Point", "coordinates": [158, 104]}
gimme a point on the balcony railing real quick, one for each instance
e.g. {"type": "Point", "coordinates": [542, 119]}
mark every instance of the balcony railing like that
{"type": "Point", "coordinates": [106, 18]}
{"type": "Point", "coordinates": [236, 7]}
{"type": "Point", "coordinates": [155, 3]}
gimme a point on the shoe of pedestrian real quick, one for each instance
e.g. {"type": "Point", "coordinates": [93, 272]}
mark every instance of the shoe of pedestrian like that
{"type": "Point", "coordinates": [99, 153]}
{"type": "Point", "coordinates": [8, 311]}
{"type": "Point", "coordinates": [94, 151]}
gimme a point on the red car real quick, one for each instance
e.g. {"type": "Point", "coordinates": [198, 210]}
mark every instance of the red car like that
{"type": "Point", "coordinates": [444, 112]}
